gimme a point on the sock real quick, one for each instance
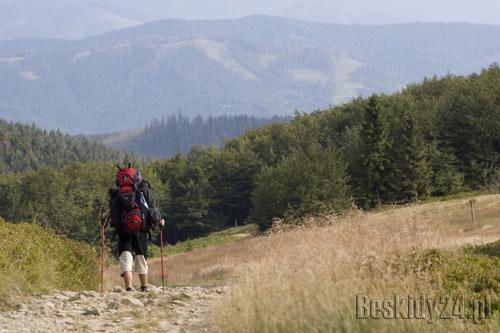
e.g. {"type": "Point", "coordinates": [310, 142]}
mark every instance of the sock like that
{"type": "Point", "coordinates": [129, 289]}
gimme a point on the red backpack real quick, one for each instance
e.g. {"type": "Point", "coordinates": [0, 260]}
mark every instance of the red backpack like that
{"type": "Point", "coordinates": [127, 180]}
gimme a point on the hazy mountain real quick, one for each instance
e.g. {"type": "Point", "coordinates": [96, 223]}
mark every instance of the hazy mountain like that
{"type": "Point", "coordinates": [58, 19]}
{"type": "Point", "coordinates": [259, 66]}
{"type": "Point", "coordinates": [82, 18]}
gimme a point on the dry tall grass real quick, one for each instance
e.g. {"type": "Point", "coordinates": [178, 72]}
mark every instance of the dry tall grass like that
{"type": "Point", "coordinates": [208, 266]}
{"type": "Point", "coordinates": [308, 279]}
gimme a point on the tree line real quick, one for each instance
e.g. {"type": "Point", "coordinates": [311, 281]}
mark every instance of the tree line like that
{"type": "Point", "coordinates": [177, 133]}
{"type": "Point", "coordinates": [435, 138]}
{"type": "Point", "coordinates": [25, 147]}
{"type": "Point", "coordinates": [432, 139]}
{"type": "Point", "coordinates": [66, 200]}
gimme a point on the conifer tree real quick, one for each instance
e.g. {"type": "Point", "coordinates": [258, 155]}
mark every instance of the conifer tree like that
{"type": "Point", "coordinates": [414, 182]}
{"type": "Point", "coordinates": [375, 139]}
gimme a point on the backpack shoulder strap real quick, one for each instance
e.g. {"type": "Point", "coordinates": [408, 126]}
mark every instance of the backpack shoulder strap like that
{"type": "Point", "coordinates": [148, 194]}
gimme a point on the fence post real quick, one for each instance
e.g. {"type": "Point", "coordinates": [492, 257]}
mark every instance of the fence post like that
{"type": "Point", "coordinates": [473, 217]}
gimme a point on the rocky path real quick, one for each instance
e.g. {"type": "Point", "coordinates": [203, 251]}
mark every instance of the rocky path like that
{"type": "Point", "coordinates": [179, 309]}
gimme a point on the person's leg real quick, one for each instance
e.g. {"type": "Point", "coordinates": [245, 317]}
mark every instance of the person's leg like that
{"type": "Point", "coordinates": [128, 278]}
{"type": "Point", "coordinates": [141, 267]}
{"type": "Point", "coordinates": [144, 280]}
{"type": "Point", "coordinates": [140, 244]}
{"type": "Point", "coordinates": [126, 262]}
{"type": "Point", "coordinates": [126, 259]}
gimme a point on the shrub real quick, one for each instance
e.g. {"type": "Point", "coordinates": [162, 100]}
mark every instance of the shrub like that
{"type": "Point", "coordinates": [301, 184]}
{"type": "Point", "coordinates": [34, 259]}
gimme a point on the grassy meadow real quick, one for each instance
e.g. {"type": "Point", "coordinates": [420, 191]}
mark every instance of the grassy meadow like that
{"type": "Point", "coordinates": [306, 279]}
{"type": "Point", "coordinates": [216, 238]}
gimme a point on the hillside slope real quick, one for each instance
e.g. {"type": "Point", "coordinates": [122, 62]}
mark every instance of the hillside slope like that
{"type": "Point", "coordinates": [309, 279]}
{"type": "Point", "coordinates": [34, 259]}
{"type": "Point", "coordinates": [302, 280]}
{"type": "Point", "coordinates": [257, 65]}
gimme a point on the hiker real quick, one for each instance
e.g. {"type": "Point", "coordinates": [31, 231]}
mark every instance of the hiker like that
{"type": "Point", "coordinates": [133, 214]}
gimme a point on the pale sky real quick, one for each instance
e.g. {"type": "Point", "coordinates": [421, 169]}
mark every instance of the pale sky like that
{"type": "Point", "coordinates": [73, 19]}
{"type": "Point", "coordinates": [352, 11]}
{"type": "Point", "coordinates": [338, 11]}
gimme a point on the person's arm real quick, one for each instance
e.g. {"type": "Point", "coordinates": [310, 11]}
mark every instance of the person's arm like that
{"type": "Point", "coordinates": [153, 211]}
{"type": "Point", "coordinates": [104, 215]}
{"type": "Point", "coordinates": [114, 208]}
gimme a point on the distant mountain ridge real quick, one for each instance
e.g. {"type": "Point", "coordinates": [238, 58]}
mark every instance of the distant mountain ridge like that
{"type": "Point", "coordinates": [58, 19]}
{"type": "Point", "coordinates": [73, 19]}
{"type": "Point", "coordinates": [259, 66]}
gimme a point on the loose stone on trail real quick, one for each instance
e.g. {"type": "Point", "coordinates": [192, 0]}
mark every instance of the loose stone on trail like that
{"type": "Point", "coordinates": [114, 311]}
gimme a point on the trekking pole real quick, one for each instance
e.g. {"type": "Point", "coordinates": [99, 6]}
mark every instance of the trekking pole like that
{"type": "Point", "coordinates": [161, 260]}
{"type": "Point", "coordinates": [102, 249]}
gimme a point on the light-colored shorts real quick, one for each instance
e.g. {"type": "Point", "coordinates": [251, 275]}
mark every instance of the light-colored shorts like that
{"type": "Point", "coordinates": [129, 263]}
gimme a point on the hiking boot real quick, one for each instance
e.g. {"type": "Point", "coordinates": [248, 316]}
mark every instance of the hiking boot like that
{"type": "Point", "coordinates": [128, 289]}
{"type": "Point", "coordinates": [145, 289]}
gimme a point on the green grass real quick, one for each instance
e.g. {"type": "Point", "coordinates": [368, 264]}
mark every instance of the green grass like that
{"type": "Point", "coordinates": [471, 273]}
{"type": "Point", "coordinates": [459, 195]}
{"type": "Point", "coordinates": [36, 260]}
{"type": "Point", "coordinates": [474, 270]}
{"type": "Point", "coordinates": [491, 249]}
{"type": "Point", "coordinates": [216, 238]}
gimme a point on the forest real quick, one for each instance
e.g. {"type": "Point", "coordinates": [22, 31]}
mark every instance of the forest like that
{"type": "Point", "coordinates": [178, 133]}
{"type": "Point", "coordinates": [25, 147]}
{"type": "Point", "coordinates": [435, 138]}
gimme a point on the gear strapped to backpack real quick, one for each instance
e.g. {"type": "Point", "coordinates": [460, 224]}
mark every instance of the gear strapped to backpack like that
{"type": "Point", "coordinates": [132, 217]}
{"type": "Point", "coordinates": [132, 203]}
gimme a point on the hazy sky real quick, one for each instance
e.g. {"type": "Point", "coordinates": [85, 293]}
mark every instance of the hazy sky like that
{"type": "Point", "coordinates": [340, 11]}
{"type": "Point", "coordinates": [352, 11]}
{"type": "Point", "coordinates": [73, 19]}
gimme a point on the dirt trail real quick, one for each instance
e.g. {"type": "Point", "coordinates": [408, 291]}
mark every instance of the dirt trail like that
{"type": "Point", "coordinates": [179, 309]}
